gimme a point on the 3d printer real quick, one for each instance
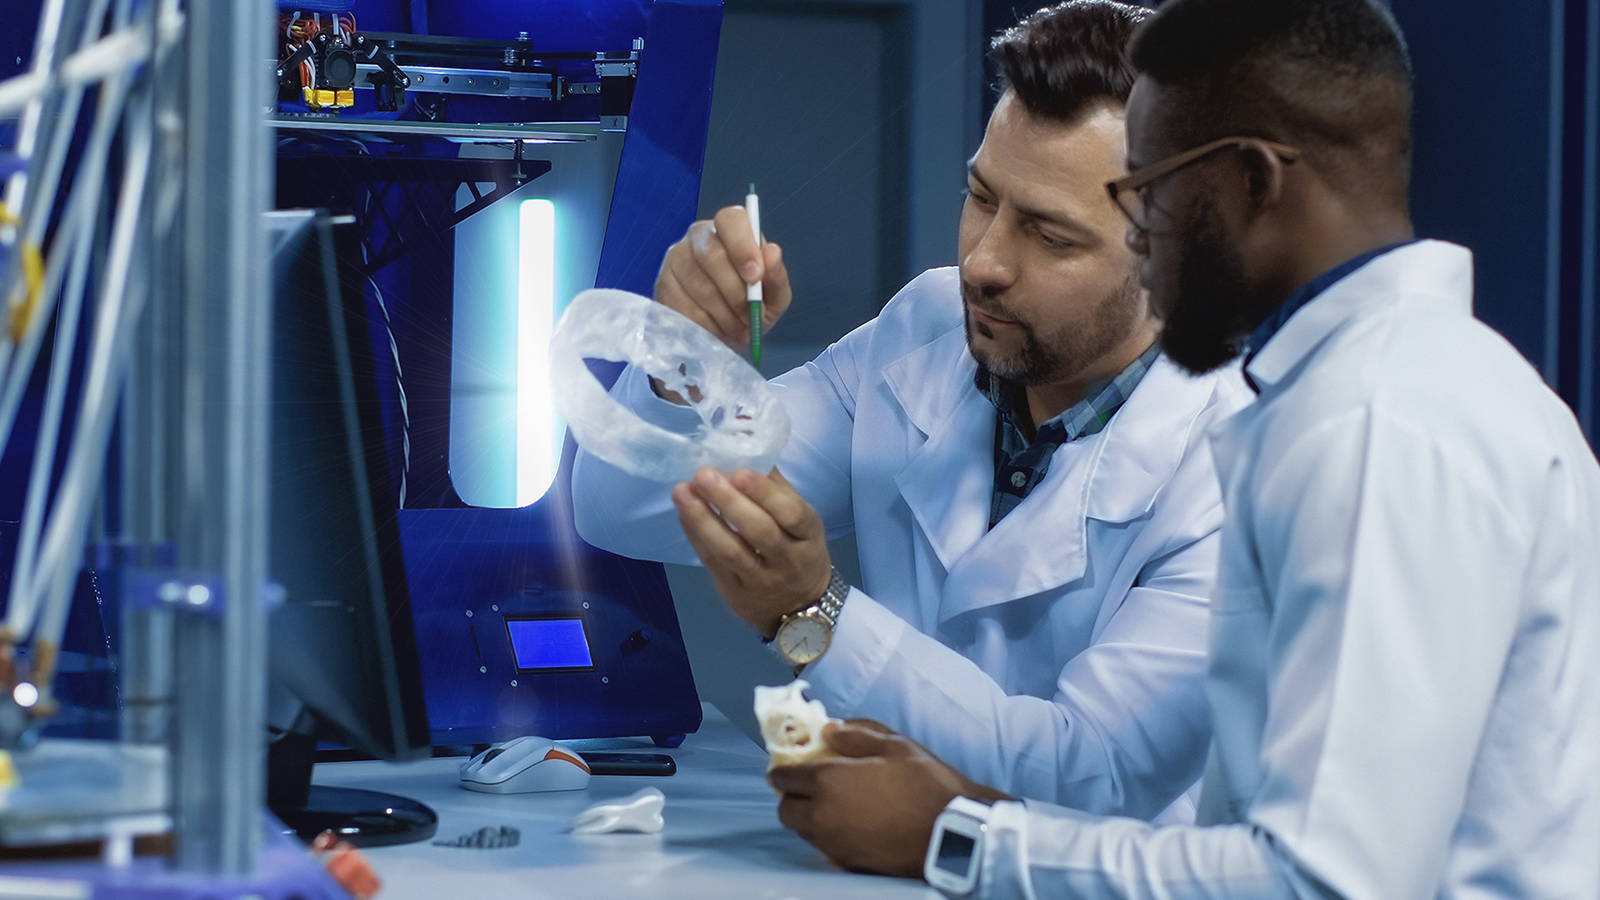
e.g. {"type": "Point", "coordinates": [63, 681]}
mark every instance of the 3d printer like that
{"type": "Point", "coordinates": [493, 176]}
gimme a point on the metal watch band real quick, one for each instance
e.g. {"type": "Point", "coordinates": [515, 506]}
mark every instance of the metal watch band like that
{"type": "Point", "coordinates": [831, 603]}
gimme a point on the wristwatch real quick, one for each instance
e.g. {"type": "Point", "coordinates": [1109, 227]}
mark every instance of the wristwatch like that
{"type": "Point", "coordinates": [955, 853]}
{"type": "Point", "coordinates": [804, 636]}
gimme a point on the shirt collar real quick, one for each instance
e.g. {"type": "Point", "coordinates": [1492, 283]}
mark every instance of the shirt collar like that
{"type": "Point", "coordinates": [1081, 419]}
{"type": "Point", "coordinates": [1307, 292]}
{"type": "Point", "coordinates": [1007, 397]}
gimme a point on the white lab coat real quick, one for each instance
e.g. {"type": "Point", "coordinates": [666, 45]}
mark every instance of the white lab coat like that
{"type": "Point", "coordinates": [1059, 656]}
{"type": "Point", "coordinates": [1405, 650]}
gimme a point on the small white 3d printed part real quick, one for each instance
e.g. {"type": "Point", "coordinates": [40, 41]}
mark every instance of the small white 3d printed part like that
{"type": "Point", "coordinates": [640, 813]}
{"type": "Point", "coordinates": [743, 425]}
{"type": "Point", "coordinates": [791, 725]}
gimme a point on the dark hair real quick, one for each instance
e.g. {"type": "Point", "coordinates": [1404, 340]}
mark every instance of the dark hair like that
{"type": "Point", "coordinates": [1330, 76]}
{"type": "Point", "coordinates": [1063, 59]}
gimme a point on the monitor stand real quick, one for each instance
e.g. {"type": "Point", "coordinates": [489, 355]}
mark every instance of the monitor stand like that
{"type": "Point", "coordinates": [364, 818]}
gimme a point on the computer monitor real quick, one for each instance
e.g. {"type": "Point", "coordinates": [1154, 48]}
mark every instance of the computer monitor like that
{"type": "Point", "coordinates": [342, 654]}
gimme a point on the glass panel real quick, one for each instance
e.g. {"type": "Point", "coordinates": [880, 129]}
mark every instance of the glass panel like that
{"type": "Point", "coordinates": [517, 264]}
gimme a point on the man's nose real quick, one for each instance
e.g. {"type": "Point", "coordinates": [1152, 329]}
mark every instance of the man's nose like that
{"type": "Point", "coordinates": [989, 264]}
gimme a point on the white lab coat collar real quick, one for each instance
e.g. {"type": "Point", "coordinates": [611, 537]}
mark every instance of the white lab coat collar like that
{"type": "Point", "coordinates": [1425, 269]}
{"type": "Point", "coordinates": [947, 482]}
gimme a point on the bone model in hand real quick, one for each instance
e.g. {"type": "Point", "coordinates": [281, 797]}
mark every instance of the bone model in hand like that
{"type": "Point", "coordinates": [791, 725]}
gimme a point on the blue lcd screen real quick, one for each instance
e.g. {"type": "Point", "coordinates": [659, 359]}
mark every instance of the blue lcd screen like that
{"type": "Point", "coordinates": [545, 644]}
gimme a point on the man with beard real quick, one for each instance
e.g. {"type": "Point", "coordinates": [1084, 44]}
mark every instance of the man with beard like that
{"type": "Point", "coordinates": [1022, 469]}
{"type": "Point", "coordinates": [1403, 677]}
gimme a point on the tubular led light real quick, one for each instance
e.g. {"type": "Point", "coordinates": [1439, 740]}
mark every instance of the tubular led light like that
{"type": "Point", "coordinates": [537, 456]}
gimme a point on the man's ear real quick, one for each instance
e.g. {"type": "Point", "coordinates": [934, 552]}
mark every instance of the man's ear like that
{"type": "Point", "coordinates": [1264, 176]}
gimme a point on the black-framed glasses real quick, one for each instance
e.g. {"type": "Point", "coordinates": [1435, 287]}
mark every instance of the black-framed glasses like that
{"type": "Point", "coordinates": [1127, 192]}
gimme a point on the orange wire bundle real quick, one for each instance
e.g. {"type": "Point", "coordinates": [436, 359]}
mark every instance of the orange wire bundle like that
{"type": "Point", "coordinates": [298, 28]}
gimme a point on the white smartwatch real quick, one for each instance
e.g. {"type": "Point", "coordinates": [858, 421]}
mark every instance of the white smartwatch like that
{"type": "Point", "coordinates": [955, 853]}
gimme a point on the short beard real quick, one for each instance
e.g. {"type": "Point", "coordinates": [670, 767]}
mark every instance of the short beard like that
{"type": "Point", "coordinates": [1206, 326]}
{"type": "Point", "coordinates": [1068, 351]}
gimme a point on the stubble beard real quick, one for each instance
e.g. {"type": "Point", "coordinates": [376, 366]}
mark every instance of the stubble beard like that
{"type": "Point", "coordinates": [1068, 350]}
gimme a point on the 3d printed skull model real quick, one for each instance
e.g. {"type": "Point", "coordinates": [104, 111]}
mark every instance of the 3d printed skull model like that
{"type": "Point", "coordinates": [742, 422]}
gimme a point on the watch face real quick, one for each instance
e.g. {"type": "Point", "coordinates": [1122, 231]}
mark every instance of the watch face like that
{"type": "Point", "coordinates": [955, 854]}
{"type": "Point", "coordinates": [803, 639]}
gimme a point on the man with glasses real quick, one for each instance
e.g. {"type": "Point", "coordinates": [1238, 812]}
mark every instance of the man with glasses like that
{"type": "Point", "coordinates": [1404, 677]}
{"type": "Point", "coordinates": [1023, 471]}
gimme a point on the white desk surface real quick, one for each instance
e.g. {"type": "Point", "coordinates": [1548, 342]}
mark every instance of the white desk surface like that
{"type": "Point", "coordinates": [722, 836]}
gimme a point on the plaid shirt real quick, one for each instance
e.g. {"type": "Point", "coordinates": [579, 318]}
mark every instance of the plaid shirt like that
{"type": "Point", "coordinates": [1019, 466]}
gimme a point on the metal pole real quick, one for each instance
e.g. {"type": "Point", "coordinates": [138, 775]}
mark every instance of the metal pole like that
{"type": "Point", "coordinates": [152, 424]}
{"type": "Point", "coordinates": [218, 730]}
{"type": "Point", "coordinates": [1588, 265]}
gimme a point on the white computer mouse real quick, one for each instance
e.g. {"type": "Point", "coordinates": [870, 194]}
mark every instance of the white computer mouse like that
{"type": "Point", "coordinates": [524, 765]}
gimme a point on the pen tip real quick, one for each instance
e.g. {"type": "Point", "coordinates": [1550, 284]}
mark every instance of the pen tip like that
{"type": "Point", "coordinates": [752, 188]}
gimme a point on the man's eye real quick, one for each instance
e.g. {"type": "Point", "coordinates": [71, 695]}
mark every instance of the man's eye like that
{"type": "Point", "coordinates": [978, 198]}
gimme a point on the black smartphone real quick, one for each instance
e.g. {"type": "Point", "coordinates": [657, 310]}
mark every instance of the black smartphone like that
{"type": "Point", "coordinates": [629, 763]}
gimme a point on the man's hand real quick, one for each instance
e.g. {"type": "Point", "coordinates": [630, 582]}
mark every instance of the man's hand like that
{"type": "Point", "coordinates": [704, 276]}
{"type": "Point", "coordinates": [872, 811]}
{"type": "Point", "coordinates": [761, 542]}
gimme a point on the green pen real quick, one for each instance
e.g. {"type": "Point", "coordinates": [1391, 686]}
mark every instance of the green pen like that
{"type": "Point", "coordinates": [752, 293]}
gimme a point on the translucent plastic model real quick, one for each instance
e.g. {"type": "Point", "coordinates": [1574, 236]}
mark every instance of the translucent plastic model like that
{"type": "Point", "coordinates": [742, 422]}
